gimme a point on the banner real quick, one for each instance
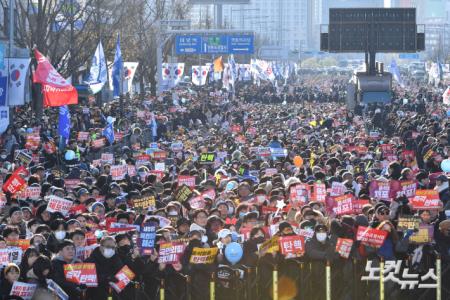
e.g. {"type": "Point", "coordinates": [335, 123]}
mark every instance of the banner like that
{"type": "Point", "coordinates": [57, 91]}
{"type": "Point", "coordinates": [344, 247]}
{"type": "Point", "coordinates": [203, 255]}
{"type": "Point", "coordinates": [145, 203]}
{"type": "Point", "coordinates": [146, 239]}
{"type": "Point", "coordinates": [18, 80]}
{"type": "Point", "coordinates": [337, 189]}
{"type": "Point", "coordinates": [107, 158]}
{"type": "Point", "coordinates": [371, 237]}
{"type": "Point", "coordinates": [124, 277]}
{"type": "Point", "coordinates": [426, 199]}
{"type": "Point", "coordinates": [170, 253]}
{"type": "Point", "coordinates": [81, 273]}
{"type": "Point", "coordinates": [292, 246]}
{"type": "Point", "coordinates": [23, 290]}
{"type": "Point", "coordinates": [58, 204]}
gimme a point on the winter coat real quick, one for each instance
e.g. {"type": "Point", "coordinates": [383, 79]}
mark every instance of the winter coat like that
{"type": "Point", "coordinates": [73, 290]}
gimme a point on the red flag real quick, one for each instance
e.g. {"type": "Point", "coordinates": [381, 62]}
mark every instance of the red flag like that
{"type": "Point", "coordinates": [57, 91]}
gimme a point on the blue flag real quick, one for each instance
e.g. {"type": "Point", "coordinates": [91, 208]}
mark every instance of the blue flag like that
{"type": "Point", "coordinates": [3, 89]}
{"type": "Point", "coordinates": [396, 72]}
{"type": "Point", "coordinates": [108, 132]}
{"type": "Point", "coordinates": [64, 122]}
{"type": "Point", "coordinates": [97, 75]}
{"type": "Point", "coordinates": [117, 69]}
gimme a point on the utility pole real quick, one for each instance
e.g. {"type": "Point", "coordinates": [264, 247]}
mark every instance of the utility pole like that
{"type": "Point", "coordinates": [10, 52]}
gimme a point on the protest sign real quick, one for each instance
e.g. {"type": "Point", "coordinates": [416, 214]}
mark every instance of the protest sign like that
{"type": "Point", "coordinates": [426, 199]}
{"type": "Point", "coordinates": [15, 255]}
{"type": "Point", "coordinates": [337, 189]}
{"type": "Point", "coordinates": [203, 255]}
{"type": "Point", "coordinates": [131, 170]}
{"type": "Point", "coordinates": [107, 158]}
{"type": "Point", "coordinates": [379, 189]}
{"type": "Point", "coordinates": [405, 188]}
{"type": "Point", "coordinates": [146, 238]}
{"type": "Point", "coordinates": [124, 277]}
{"type": "Point", "coordinates": [306, 233]}
{"type": "Point", "coordinates": [170, 253]}
{"type": "Point", "coordinates": [278, 152]}
{"type": "Point", "coordinates": [358, 205]}
{"type": "Point", "coordinates": [23, 244]}
{"type": "Point", "coordinates": [58, 204]}
{"type": "Point", "coordinates": [113, 227]}
{"type": "Point", "coordinates": [187, 180]}
{"type": "Point", "coordinates": [30, 192]}
{"type": "Point", "coordinates": [176, 146]}
{"type": "Point", "coordinates": [23, 290]}
{"type": "Point", "coordinates": [370, 236]}
{"type": "Point", "coordinates": [159, 155]}
{"type": "Point", "coordinates": [408, 223]}
{"type": "Point", "coordinates": [183, 193]}
{"type": "Point", "coordinates": [292, 246]}
{"type": "Point", "coordinates": [118, 172]}
{"type": "Point", "coordinates": [4, 257]}
{"type": "Point", "coordinates": [32, 141]}
{"type": "Point", "coordinates": [98, 143]}
{"type": "Point", "coordinates": [83, 136]}
{"type": "Point", "coordinates": [424, 235]}
{"type": "Point", "coordinates": [263, 152]}
{"type": "Point", "coordinates": [207, 158]}
{"type": "Point", "coordinates": [56, 289]}
{"type": "Point", "coordinates": [145, 203]}
{"type": "Point", "coordinates": [81, 273]}
{"type": "Point", "coordinates": [343, 205]}
{"type": "Point", "coordinates": [320, 192]}
{"type": "Point", "coordinates": [24, 157]}
{"type": "Point", "coordinates": [344, 247]}
{"type": "Point", "coordinates": [71, 184]}
{"type": "Point", "coordinates": [84, 252]}
{"type": "Point", "coordinates": [77, 209]}
{"type": "Point", "coordinates": [269, 246]}
{"type": "Point", "coordinates": [15, 182]}
{"type": "Point", "coordinates": [299, 194]}
{"type": "Point", "coordinates": [197, 202]}
{"type": "Point", "coordinates": [271, 171]}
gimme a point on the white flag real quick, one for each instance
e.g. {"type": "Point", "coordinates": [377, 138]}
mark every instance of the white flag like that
{"type": "Point", "coordinates": [199, 74]}
{"type": "Point", "coordinates": [172, 74]}
{"type": "Point", "coordinates": [446, 96]}
{"type": "Point", "coordinates": [129, 69]}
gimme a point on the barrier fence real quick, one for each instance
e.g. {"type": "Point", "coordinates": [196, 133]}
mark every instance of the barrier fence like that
{"type": "Point", "coordinates": [313, 280]}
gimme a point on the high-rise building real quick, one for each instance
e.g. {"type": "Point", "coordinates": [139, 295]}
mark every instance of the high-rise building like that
{"type": "Point", "coordinates": [276, 22]}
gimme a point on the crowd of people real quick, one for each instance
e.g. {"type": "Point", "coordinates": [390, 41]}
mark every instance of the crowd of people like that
{"type": "Point", "coordinates": [272, 174]}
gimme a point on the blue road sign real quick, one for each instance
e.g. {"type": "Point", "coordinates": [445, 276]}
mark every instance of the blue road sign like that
{"type": "Point", "coordinates": [188, 44]}
{"type": "Point", "coordinates": [214, 44]}
{"type": "Point", "coordinates": [408, 56]}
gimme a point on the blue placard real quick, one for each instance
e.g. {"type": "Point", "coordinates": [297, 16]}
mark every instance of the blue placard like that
{"type": "Point", "coordinates": [214, 44]}
{"type": "Point", "coordinates": [146, 238]}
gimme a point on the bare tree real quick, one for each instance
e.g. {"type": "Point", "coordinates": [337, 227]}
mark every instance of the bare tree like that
{"type": "Point", "coordinates": [66, 31]}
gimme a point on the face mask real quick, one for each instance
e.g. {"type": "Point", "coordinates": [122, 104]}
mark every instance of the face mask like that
{"type": "Point", "coordinates": [204, 239]}
{"type": "Point", "coordinates": [321, 236]}
{"type": "Point", "coordinates": [60, 234]}
{"type": "Point", "coordinates": [173, 213]}
{"type": "Point", "coordinates": [108, 253]}
{"type": "Point", "coordinates": [230, 211]}
{"type": "Point", "coordinates": [125, 249]}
